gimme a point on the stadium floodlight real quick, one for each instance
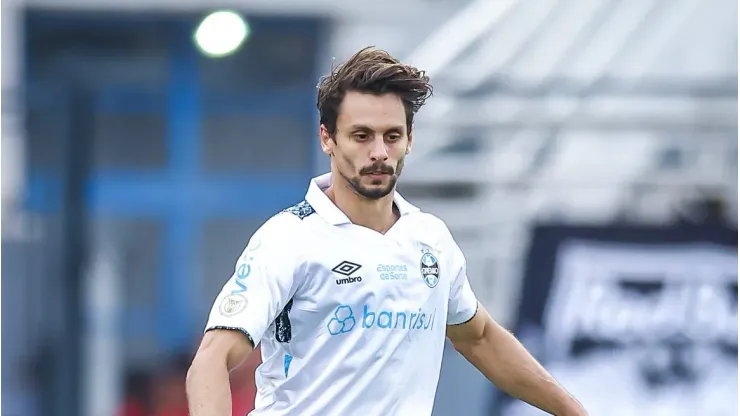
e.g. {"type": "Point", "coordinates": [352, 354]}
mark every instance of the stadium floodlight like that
{"type": "Point", "coordinates": [221, 33]}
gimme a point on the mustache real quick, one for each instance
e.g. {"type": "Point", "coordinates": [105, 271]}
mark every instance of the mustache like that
{"type": "Point", "coordinates": [377, 168]}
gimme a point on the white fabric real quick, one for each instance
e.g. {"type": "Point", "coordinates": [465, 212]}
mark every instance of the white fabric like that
{"type": "Point", "coordinates": [361, 330]}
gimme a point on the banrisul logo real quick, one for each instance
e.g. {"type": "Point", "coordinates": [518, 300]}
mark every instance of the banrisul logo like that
{"type": "Point", "coordinates": [345, 320]}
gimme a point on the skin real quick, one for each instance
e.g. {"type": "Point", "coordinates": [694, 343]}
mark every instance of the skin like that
{"type": "Point", "coordinates": [367, 153]}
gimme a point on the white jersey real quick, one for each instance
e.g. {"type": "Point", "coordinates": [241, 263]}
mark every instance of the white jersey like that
{"type": "Point", "coordinates": [350, 321]}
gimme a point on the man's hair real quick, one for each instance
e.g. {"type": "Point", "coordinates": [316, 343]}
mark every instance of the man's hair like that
{"type": "Point", "coordinates": [372, 71]}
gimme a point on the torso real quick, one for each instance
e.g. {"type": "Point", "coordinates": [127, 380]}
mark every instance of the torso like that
{"type": "Point", "coordinates": [367, 327]}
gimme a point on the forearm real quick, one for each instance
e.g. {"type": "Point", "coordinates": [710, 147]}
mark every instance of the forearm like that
{"type": "Point", "coordinates": [208, 389]}
{"type": "Point", "coordinates": [504, 361]}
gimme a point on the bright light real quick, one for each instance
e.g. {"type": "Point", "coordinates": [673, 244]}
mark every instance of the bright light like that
{"type": "Point", "coordinates": [221, 33]}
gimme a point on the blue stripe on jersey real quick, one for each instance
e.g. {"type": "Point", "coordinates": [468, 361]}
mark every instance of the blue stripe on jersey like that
{"type": "Point", "coordinates": [286, 363]}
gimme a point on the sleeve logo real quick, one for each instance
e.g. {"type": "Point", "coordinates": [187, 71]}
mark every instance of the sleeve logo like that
{"type": "Point", "coordinates": [232, 305]}
{"type": "Point", "coordinates": [244, 268]}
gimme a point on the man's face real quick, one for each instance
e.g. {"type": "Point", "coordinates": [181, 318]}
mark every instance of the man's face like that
{"type": "Point", "coordinates": [370, 143]}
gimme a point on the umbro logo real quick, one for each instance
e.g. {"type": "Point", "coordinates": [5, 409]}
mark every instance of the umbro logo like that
{"type": "Point", "coordinates": [347, 268]}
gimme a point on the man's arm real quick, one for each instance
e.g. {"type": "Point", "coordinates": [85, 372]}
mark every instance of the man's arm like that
{"type": "Point", "coordinates": [505, 362]}
{"type": "Point", "coordinates": [263, 283]}
{"type": "Point", "coordinates": [207, 382]}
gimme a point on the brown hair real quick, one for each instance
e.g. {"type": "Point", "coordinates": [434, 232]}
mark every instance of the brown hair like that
{"type": "Point", "coordinates": [372, 71]}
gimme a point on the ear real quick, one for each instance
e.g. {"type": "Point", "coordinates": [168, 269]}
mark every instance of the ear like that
{"type": "Point", "coordinates": [327, 143]}
{"type": "Point", "coordinates": [410, 143]}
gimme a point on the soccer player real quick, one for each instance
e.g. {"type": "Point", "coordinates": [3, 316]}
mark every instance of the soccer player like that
{"type": "Point", "coordinates": [351, 292]}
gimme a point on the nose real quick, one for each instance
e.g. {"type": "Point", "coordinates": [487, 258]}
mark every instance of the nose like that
{"type": "Point", "coordinates": [379, 150]}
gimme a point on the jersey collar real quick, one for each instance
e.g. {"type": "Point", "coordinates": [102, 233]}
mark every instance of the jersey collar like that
{"type": "Point", "coordinates": [331, 213]}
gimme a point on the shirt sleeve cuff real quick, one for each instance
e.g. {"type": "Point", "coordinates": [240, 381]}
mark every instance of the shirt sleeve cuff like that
{"type": "Point", "coordinates": [233, 328]}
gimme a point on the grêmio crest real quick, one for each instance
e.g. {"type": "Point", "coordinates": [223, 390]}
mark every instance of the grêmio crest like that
{"type": "Point", "coordinates": [429, 268]}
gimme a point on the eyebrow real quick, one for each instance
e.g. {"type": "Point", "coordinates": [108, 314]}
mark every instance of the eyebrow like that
{"type": "Point", "coordinates": [363, 127]}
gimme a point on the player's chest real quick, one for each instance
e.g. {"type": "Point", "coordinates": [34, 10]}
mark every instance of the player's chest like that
{"type": "Point", "coordinates": [351, 268]}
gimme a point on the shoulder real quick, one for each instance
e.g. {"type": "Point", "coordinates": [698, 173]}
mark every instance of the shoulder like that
{"type": "Point", "coordinates": [300, 211]}
{"type": "Point", "coordinates": [285, 227]}
{"type": "Point", "coordinates": [435, 232]}
{"type": "Point", "coordinates": [433, 227]}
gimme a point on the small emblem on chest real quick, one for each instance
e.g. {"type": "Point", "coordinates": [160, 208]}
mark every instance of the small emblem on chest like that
{"type": "Point", "coordinates": [429, 268]}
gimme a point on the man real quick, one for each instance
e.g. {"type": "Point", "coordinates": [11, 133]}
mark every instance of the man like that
{"type": "Point", "coordinates": [352, 291]}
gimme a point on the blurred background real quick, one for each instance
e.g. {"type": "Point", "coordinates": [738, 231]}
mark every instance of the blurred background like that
{"type": "Point", "coordinates": [583, 152]}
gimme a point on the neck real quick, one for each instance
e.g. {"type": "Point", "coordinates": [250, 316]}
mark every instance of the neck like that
{"type": "Point", "coordinates": [375, 214]}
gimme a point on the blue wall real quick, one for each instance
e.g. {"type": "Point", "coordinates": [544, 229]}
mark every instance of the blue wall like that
{"type": "Point", "coordinates": [181, 194]}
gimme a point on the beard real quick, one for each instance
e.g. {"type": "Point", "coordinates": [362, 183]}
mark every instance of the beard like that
{"type": "Point", "coordinates": [377, 190]}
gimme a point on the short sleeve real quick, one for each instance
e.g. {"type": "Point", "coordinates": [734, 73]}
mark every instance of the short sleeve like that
{"type": "Point", "coordinates": [462, 304]}
{"type": "Point", "coordinates": [265, 279]}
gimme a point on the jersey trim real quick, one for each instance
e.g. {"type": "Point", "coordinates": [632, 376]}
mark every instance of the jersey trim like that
{"type": "Point", "coordinates": [477, 305]}
{"type": "Point", "coordinates": [234, 328]}
{"type": "Point", "coordinates": [301, 210]}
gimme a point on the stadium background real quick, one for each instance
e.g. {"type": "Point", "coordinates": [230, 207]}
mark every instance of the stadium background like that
{"type": "Point", "coordinates": [584, 154]}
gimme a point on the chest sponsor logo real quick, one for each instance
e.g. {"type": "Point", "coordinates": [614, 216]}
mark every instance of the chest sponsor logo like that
{"type": "Point", "coordinates": [344, 320]}
{"type": "Point", "coordinates": [393, 271]}
{"type": "Point", "coordinates": [347, 269]}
